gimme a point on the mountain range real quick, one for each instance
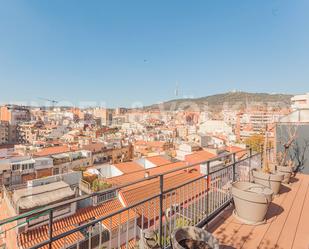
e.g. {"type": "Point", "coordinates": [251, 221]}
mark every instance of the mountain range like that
{"type": "Point", "coordinates": [231, 100]}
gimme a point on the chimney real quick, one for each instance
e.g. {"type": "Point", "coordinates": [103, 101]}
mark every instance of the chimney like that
{"type": "Point", "coordinates": [146, 175]}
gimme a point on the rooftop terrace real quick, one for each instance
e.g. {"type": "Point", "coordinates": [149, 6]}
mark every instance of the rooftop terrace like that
{"type": "Point", "coordinates": [164, 201]}
{"type": "Point", "coordinates": [287, 224]}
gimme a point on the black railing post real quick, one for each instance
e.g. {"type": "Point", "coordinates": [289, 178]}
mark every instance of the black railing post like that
{"type": "Point", "coordinates": [234, 167]}
{"type": "Point", "coordinates": [208, 186]}
{"type": "Point", "coordinates": [250, 158]}
{"type": "Point", "coordinates": [261, 153]}
{"type": "Point", "coordinates": [50, 226]}
{"type": "Point", "coordinates": [161, 211]}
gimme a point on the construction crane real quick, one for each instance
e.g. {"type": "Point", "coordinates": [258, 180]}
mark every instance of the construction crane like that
{"type": "Point", "coordinates": [52, 101]}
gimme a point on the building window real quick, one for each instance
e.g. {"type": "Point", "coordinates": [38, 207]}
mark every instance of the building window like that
{"type": "Point", "coordinates": [106, 196]}
{"type": "Point", "coordinates": [55, 171]}
{"type": "Point", "coordinates": [15, 167]}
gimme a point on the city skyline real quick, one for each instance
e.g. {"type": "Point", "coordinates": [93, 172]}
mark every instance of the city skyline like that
{"type": "Point", "coordinates": [154, 124]}
{"type": "Point", "coordinates": [171, 104]}
{"type": "Point", "coordinates": [120, 53]}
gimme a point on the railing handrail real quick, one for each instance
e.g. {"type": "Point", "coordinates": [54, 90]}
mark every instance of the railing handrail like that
{"type": "Point", "coordinates": [115, 188]}
{"type": "Point", "coordinates": [124, 209]}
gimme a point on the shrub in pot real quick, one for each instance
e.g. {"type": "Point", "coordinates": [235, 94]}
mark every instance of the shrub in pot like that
{"type": "Point", "coordinates": [271, 180]}
{"type": "Point", "coordinates": [286, 167]}
{"type": "Point", "coordinates": [286, 171]}
{"type": "Point", "coordinates": [251, 201]}
{"type": "Point", "coordinates": [193, 237]}
{"type": "Point", "coordinates": [266, 176]}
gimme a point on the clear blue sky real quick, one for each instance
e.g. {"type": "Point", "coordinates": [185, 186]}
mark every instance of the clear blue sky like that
{"type": "Point", "coordinates": [121, 52]}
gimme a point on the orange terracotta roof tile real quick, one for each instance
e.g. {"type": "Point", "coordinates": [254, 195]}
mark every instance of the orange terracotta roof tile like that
{"type": "Point", "coordinates": [130, 177]}
{"type": "Point", "coordinates": [158, 160]}
{"type": "Point", "coordinates": [150, 210]}
{"type": "Point", "coordinates": [131, 244]}
{"type": "Point", "coordinates": [150, 143]}
{"type": "Point", "coordinates": [84, 215]}
{"type": "Point", "coordinates": [199, 156]}
{"type": "Point", "coordinates": [235, 149]}
{"type": "Point", "coordinates": [94, 147]}
{"type": "Point", "coordinates": [140, 191]}
{"type": "Point", "coordinates": [53, 150]}
{"type": "Point", "coordinates": [128, 167]}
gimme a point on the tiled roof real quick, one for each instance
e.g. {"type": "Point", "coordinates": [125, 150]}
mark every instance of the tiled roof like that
{"type": "Point", "coordinates": [158, 160]}
{"type": "Point", "coordinates": [83, 215]}
{"type": "Point", "coordinates": [150, 210]}
{"type": "Point", "coordinates": [140, 191]}
{"type": "Point", "coordinates": [128, 167]}
{"type": "Point", "coordinates": [131, 244]}
{"type": "Point", "coordinates": [130, 177]}
{"type": "Point", "coordinates": [34, 237]}
{"type": "Point", "coordinates": [150, 143]}
{"type": "Point", "coordinates": [239, 151]}
{"type": "Point", "coordinates": [94, 147]}
{"type": "Point", "coordinates": [129, 195]}
{"type": "Point", "coordinates": [53, 150]}
{"type": "Point", "coordinates": [199, 156]}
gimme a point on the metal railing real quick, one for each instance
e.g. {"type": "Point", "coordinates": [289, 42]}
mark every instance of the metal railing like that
{"type": "Point", "coordinates": [181, 196]}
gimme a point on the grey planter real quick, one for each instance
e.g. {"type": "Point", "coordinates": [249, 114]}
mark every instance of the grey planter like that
{"type": "Point", "coordinates": [286, 171]}
{"type": "Point", "coordinates": [251, 201]}
{"type": "Point", "coordinates": [193, 233]}
{"type": "Point", "coordinates": [270, 180]}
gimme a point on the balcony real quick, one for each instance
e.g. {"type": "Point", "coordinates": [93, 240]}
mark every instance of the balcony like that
{"type": "Point", "coordinates": [179, 196]}
{"type": "Point", "coordinates": [287, 222]}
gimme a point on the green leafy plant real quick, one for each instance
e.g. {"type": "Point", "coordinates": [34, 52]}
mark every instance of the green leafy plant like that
{"type": "Point", "coordinates": [98, 185]}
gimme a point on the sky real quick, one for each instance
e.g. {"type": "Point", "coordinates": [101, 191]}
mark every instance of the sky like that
{"type": "Point", "coordinates": [130, 53]}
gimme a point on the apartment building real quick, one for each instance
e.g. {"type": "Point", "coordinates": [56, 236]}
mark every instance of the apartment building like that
{"type": "Point", "coordinates": [14, 115]}
{"type": "Point", "coordinates": [215, 127]}
{"type": "Point", "coordinates": [145, 148]}
{"type": "Point", "coordinates": [65, 159]}
{"type": "Point", "coordinates": [182, 131]}
{"type": "Point", "coordinates": [16, 170]}
{"type": "Point", "coordinates": [16, 201]}
{"type": "Point", "coordinates": [4, 132]}
{"type": "Point", "coordinates": [186, 149]}
{"type": "Point", "coordinates": [300, 101]}
{"type": "Point", "coordinates": [102, 154]}
{"type": "Point", "coordinates": [252, 122]}
{"type": "Point", "coordinates": [28, 132]}
{"type": "Point", "coordinates": [20, 169]}
{"type": "Point", "coordinates": [106, 115]}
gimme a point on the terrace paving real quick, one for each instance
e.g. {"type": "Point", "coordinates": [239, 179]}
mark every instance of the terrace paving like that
{"type": "Point", "coordinates": [287, 224]}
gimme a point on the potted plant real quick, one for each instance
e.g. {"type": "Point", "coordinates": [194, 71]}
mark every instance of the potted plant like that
{"type": "Point", "coordinates": [251, 201]}
{"type": "Point", "coordinates": [268, 179]}
{"type": "Point", "coordinates": [284, 166]}
{"type": "Point", "coordinates": [267, 176]}
{"type": "Point", "coordinates": [286, 169]}
{"type": "Point", "coordinates": [188, 237]}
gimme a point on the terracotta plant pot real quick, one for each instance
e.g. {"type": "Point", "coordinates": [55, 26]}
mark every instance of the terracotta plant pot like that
{"type": "Point", "coordinates": [190, 233]}
{"type": "Point", "coordinates": [251, 201]}
{"type": "Point", "coordinates": [271, 180]}
{"type": "Point", "coordinates": [286, 171]}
